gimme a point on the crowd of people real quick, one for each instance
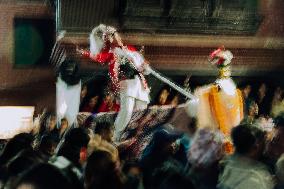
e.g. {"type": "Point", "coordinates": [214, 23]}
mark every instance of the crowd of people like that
{"type": "Point", "coordinates": [62, 152]}
{"type": "Point", "coordinates": [56, 156]}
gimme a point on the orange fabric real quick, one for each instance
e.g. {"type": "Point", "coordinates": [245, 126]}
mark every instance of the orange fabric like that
{"type": "Point", "coordinates": [226, 110]}
{"type": "Point", "coordinates": [228, 147]}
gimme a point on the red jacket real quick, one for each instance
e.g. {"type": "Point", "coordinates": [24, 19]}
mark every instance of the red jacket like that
{"type": "Point", "coordinates": [106, 56]}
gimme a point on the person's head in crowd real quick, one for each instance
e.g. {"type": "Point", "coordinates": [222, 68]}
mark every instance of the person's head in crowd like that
{"type": "Point", "coordinates": [175, 100]}
{"type": "Point", "coordinates": [47, 122]}
{"type": "Point", "coordinates": [163, 96]}
{"type": "Point", "coordinates": [246, 91]}
{"type": "Point", "coordinates": [91, 104]}
{"type": "Point", "coordinates": [278, 94]}
{"type": "Point", "coordinates": [171, 176]}
{"type": "Point", "coordinates": [23, 161]}
{"type": "Point", "coordinates": [71, 172]}
{"type": "Point", "coordinates": [133, 173]}
{"type": "Point", "coordinates": [262, 89]}
{"type": "Point", "coordinates": [93, 101]}
{"type": "Point", "coordinates": [248, 140]}
{"type": "Point", "coordinates": [280, 170]}
{"type": "Point", "coordinates": [63, 125]}
{"type": "Point", "coordinates": [162, 143]}
{"type": "Point", "coordinates": [47, 145]}
{"type": "Point", "coordinates": [108, 97]}
{"type": "Point", "coordinates": [75, 145]}
{"type": "Point", "coordinates": [51, 123]}
{"type": "Point", "coordinates": [105, 130]}
{"type": "Point", "coordinates": [252, 109]}
{"type": "Point", "coordinates": [15, 145]}
{"type": "Point", "coordinates": [275, 146]}
{"type": "Point", "coordinates": [84, 92]}
{"type": "Point", "coordinates": [42, 176]}
{"type": "Point", "coordinates": [101, 171]}
{"type": "Point", "coordinates": [132, 168]}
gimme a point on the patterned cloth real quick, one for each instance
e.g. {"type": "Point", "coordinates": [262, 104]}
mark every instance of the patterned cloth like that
{"type": "Point", "coordinates": [144, 123]}
{"type": "Point", "coordinates": [206, 148]}
{"type": "Point", "coordinates": [223, 110]}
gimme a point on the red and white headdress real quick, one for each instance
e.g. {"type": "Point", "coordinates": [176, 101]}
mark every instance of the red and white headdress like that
{"type": "Point", "coordinates": [99, 37]}
{"type": "Point", "coordinates": [220, 57]}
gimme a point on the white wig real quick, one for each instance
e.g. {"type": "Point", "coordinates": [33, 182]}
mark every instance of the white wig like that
{"type": "Point", "coordinates": [98, 38]}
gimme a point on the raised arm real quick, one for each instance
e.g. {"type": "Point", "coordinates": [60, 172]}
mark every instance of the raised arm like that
{"type": "Point", "coordinates": [101, 58]}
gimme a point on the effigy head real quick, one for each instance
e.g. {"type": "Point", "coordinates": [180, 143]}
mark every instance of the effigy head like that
{"type": "Point", "coordinates": [101, 36]}
{"type": "Point", "coordinates": [221, 58]}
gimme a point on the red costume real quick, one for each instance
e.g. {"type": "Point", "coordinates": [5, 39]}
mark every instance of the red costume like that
{"type": "Point", "coordinates": [108, 56]}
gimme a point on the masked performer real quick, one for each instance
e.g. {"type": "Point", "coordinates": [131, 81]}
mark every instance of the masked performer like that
{"type": "Point", "coordinates": [219, 105]}
{"type": "Point", "coordinates": [126, 68]}
{"type": "Point", "coordinates": [68, 85]}
{"type": "Point", "coordinates": [68, 88]}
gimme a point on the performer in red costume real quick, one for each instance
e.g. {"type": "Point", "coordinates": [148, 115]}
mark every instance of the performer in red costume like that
{"type": "Point", "coordinates": [126, 70]}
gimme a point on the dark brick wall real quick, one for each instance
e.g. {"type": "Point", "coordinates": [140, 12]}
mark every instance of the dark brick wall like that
{"type": "Point", "coordinates": [23, 86]}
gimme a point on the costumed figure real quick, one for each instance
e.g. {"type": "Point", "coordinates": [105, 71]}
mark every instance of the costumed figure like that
{"type": "Point", "coordinates": [68, 85]}
{"type": "Point", "coordinates": [126, 68]}
{"type": "Point", "coordinates": [219, 106]}
{"type": "Point", "coordinates": [68, 89]}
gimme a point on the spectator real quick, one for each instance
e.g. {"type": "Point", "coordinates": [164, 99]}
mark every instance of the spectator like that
{"type": "Point", "coordinates": [162, 98]}
{"type": "Point", "coordinates": [23, 161]}
{"type": "Point", "coordinates": [108, 104]}
{"type": "Point", "coordinates": [246, 91]}
{"type": "Point", "coordinates": [43, 176]}
{"type": "Point", "coordinates": [48, 124]}
{"type": "Point", "coordinates": [15, 145]}
{"type": "Point", "coordinates": [91, 104]}
{"type": "Point", "coordinates": [277, 105]}
{"type": "Point", "coordinates": [103, 139]}
{"type": "Point", "coordinates": [47, 145]}
{"type": "Point", "coordinates": [101, 172]}
{"type": "Point", "coordinates": [74, 147]}
{"type": "Point", "coordinates": [275, 144]}
{"type": "Point", "coordinates": [252, 113]}
{"type": "Point", "coordinates": [159, 150]}
{"type": "Point", "coordinates": [243, 169]}
{"type": "Point", "coordinates": [175, 101]}
{"type": "Point", "coordinates": [63, 127]}
{"type": "Point", "coordinates": [171, 176]}
{"type": "Point", "coordinates": [205, 152]}
{"type": "Point", "coordinates": [280, 172]}
{"type": "Point", "coordinates": [133, 172]}
{"type": "Point", "coordinates": [262, 100]}
{"type": "Point", "coordinates": [84, 92]}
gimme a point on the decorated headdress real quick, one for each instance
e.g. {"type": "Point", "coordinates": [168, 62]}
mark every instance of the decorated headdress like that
{"type": "Point", "coordinates": [99, 37]}
{"type": "Point", "coordinates": [220, 57]}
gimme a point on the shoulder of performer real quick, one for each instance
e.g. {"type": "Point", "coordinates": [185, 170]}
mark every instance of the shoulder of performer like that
{"type": "Point", "coordinates": [131, 48]}
{"type": "Point", "coordinates": [102, 57]}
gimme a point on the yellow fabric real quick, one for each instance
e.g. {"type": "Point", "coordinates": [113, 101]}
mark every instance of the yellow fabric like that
{"type": "Point", "coordinates": [218, 110]}
{"type": "Point", "coordinates": [226, 109]}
